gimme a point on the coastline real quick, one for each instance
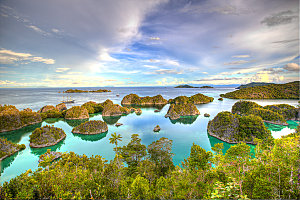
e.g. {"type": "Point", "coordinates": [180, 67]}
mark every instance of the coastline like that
{"type": "Point", "coordinates": [48, 144]}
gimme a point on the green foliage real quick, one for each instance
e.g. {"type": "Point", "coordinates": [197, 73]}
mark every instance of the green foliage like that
{"type": "Point", "coordinates": [273, 91]}
{"type": "Point", "coordinates": [92, 107]}
{"type": "Point", "coordinates": [85, 91]}
{"type": "Point", "coordinates": [244, 107]}
{"type": "Point", "coordinates": [8, 148]}
{"type": "Point", "coordinates": [271, 174]}
{"type": "Point", "coordinates": [77, 112]}
{"type": "Point", "coordinates": [134, 99]}
{"type": "Point", "coordinates": [268, 115]}
{"type": "Point", "coordinates": [195, 99]}
{"type": "Point", "coordinates": [46, 135]}
{"type": "Point", "coordinates": [287, 111]}
{"type": "Point", "coordinates": [177, 110]}
{"type": "Point", "coordinates": [91, 127]}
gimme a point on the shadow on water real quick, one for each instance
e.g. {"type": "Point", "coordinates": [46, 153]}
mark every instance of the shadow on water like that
{"type": "Point", "coordinates": [16, 136]}
{"type": "Point", "coordinates": [275, 127]}
{"type": "Point", "coordinates": [75, 122]}
{"type": "Point", "coordinates": [7, 162]}
{"type": "Point", "coordinates": [159, 107]}
{"type": "Point", "coordinates": [91, 138]}
{"type": "Point", "coordinates": [53, 120]}
{"type": "Point", "coordinates": [40, 151]}
{"type": "Point", "coordinates": [185, 119]}
{"type": "Point", "coordinates": [213, 141]}
{"type": "Point", "coordinates": [111, 120]}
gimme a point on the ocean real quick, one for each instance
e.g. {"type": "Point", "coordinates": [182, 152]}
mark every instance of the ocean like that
{"type": "Point", "coordinates": [183, 133]}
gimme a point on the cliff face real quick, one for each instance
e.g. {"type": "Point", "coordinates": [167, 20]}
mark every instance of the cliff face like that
{"type": "Point", "coordinates": [177, 110]}
{"type": "Point", "coordinates": [77, 112]}
{"type": "Point", "coordinates": [12, 119]}
{"type": "Point", "coordinates": [233, 128]}
{"type": "Point", "coordinates": [133, 99]}
{"type": "Point", "coordinates": [91, 127]}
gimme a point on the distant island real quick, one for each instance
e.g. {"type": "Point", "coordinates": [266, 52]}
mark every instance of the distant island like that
{"type": "Point", "coordinates": [189, 86]}
{"type": "Point", "coordinates": [273, 91]}
{"type": "Point", "coordinates": [185, 86]}
{"type": "Point", "coordinates": [253, 84]}
{"type": "Point", "coordinates": [85, 91]}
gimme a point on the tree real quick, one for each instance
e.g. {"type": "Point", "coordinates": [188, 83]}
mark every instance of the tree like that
{"type": "Point", "coordinates": [199, 158]}
{"type": "Point", "coordinates": [115, 138]}
{"type": "Point", "coordinates": [160, 153]}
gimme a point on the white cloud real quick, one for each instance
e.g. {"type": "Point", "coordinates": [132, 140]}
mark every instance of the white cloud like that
{"type": "Point", "coordinates": [150, 66]}
{"type": "Point", "coordinates": [62, 69]}
{"type": "Point", "coordinates": [154, 38]}
{"type": "Point", "coordinates": [239, 62]}
{"type": "Point", "coordinates": [292, 67]}
{"type": "Point", "coordinates": [241, 56]}
{"type": "Point", "coordinates": [104, 56]}
{"type": "Point", "coordinates": [164, 71]}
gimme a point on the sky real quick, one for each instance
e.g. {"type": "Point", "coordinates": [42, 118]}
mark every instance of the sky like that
{"type": "Point", "coordinates": [98, 43]}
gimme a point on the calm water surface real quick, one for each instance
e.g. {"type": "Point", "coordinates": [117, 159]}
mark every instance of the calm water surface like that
{"type": "Point", "coordinates": [184, 133]}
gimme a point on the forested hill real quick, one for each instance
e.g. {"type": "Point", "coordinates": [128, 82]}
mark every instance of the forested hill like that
{"type": "Point", "coordinates": [253, 84]}
{"type": "Point", "coordinates": [273, 91]}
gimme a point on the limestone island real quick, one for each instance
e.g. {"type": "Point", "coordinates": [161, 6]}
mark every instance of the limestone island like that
{"type": "Point", "coordinates": [91, 128]}
{"type": "Point", "coordinates": [8, 148]}
{"type": "Point", "coordinates": [12, 119]}
{"type": "Point", "coordinates": [206, 86]}
{"type": "Point", "coordinates": [275, 114]}
{"type": "Point", "coordinates": [115, 110]}
{"type": "Point", "coordinates": [135, 100]}
{"type": "Point", "coordinates": [49, 156]}
{"type": "Point", "coordinates": [46, 136]}
{"type": "Point", "coordinates": [253, 84]}
{"type": "Point", "coordinates": [85, 91]}
{"type": "Point", "coordinates": [195, 99]}
{"type": "Point", "coordinates": [232, 128]}
{"type": "Point", "coordinates": [273, 91]}
{"type": "Point", "coordinates": [178, 110]}
{"type": "Point", "coordinates": [156, 128]}
{"type": "Point", "coordinates": [49, 111]}
{"type": "Point", "coordinates": [77, 112]}
{"type": "Point", "coordinates": [185, 86]}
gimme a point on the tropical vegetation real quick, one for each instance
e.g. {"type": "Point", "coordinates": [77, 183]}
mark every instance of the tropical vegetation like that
{"type": "Point", "coordinates": [8, 148]}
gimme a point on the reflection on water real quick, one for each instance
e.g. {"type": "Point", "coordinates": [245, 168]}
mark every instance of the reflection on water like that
{"type": "Point", "coordinates": [92, 138]}
{"type": "Point", "coordinates": [75, 122]}
{"type": "Point", "coordinates": [185, 119]}
{"type": "Point", "coordinates": [159, 106]}
{"type": "Point", "coordinates": [111, 120]}
{"type": "Point", "coordinates": [275, 127]}
{"type": "Point", "coordinates": [16, 136]}
{"type": "Point", "coordinates": [53, 120]}
{"type": "Point", "coordinates": [7, 162]}
{"type": "Point", "coordinates": [40, 151]}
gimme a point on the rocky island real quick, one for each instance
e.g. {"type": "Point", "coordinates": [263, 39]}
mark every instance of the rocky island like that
{"type": "Point", "coordinates": [135, 100]}
{"type": "Point", "coordinates": [49, 156]}
{"type": "Point", "coordinates": [275, 114]}
{"type": "Point", "coordinates": [178, 110]}
{"type": "Point", "coordinates": [91, 128]}
{"type": "Point", "coordinates": [185, 86]}
{"type": "Point", "coordinates": [254, 84]}
{"type": "Point", "coordinates": [8, 148]}
{"type": "Point", "coordinates": [195, 99]}
{"type": "Point", "coordinates": [233, 128]}
{"type": "Point", "coordinates": [273, 91]}
{"type": "Point", "coordinates": [77, 112]}
{"type": "Point", "coordinates": [49, 111]}
{"type": "Point", "coordinates": [115, 110]}
{"type": "Point", "coordinates": [46, 136]}
{"type": "Point", "coordinates": [85, 91]}
{"type": "Point", "coordinates": [206, 86]}
{"type": "Point", "coordinates": [12, 119]}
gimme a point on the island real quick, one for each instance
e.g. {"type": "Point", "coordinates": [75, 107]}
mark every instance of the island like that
{"type": "Point", "coordinates": [273, 91]}
{"type": "Point", "coordinates": [233, 128]}
{"type": "Point", "coordinates": [85, 91]}
{"type": "Point", "coordinates": [49, 111]}
{"type": "Point", "coordinates": [275, 114]}
{"type": "Point", "coordinates": [135, 100]}
{"type": "Point", "coordinates": [206, 86]}
{"type": "Point", "coordinates": [195, 99]}
{"type": "Point", "coordinates": [12, 119]}
{"type": "Point", "coordinates": [91, 127]}
{"type": "Point", "coordinates": [49, 156]}
{"type": "Point", "coordinates": [46, 136]}
{"type": "Point", "coordinates": [77, 112]}
{"type": "Point", "coordinates": [8, 148]}
{"type": "Point", "coordinates": [179, 110]}
{"type": "Point", "coordinates": [253, 84]}
{"type": "Point", "coordinates": [185, 86]}
{"type": "Point", "coordinates": [93, 107]}
{"type": "Point", "coordinates": [115, 110]}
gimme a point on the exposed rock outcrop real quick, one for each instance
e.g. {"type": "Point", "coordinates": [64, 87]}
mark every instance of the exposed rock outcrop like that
{"type": "Point", "coordinates": [156, 128]}
{"type": "Point", "coordinates": [46, 108]}
{"type": "Point", "coordinates": [177, 110]}
{"type": "Point", "coordinates": [115, 110]}
{"type": "Point", "coordinates": [91, 127]}
{"type": "Point", "coordinates": [134, 99]}
{"type": "Point", "coordinates": [77, 112]}
{"type": "Point", "coordinates": [61, 107]}
{"type": "Point", "coordinates": [195, 99]}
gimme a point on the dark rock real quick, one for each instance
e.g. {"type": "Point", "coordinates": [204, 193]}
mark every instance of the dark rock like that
{"type": "Point", "coordinates": [156, 128]}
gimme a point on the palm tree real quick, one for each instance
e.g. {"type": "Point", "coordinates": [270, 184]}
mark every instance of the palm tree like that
{"type": "Point", "coordinates": [115, 138]}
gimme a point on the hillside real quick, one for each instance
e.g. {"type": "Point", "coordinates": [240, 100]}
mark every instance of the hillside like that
{"type": "Point", "coordinates": [253, 84]}
{"type": "Point", "coordinates": [274, 91]}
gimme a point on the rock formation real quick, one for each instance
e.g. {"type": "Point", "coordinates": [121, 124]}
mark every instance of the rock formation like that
{"type": "Point", "coordinates": [177, 110]}
{"type": "Point", "coordinates": [91, 127]}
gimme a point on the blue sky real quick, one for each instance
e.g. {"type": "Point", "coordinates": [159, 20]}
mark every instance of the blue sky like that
{"type": "Point", "coordinates": [75, 43]}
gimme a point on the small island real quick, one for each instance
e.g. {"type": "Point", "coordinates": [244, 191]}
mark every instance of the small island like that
{"type": "Point", "coordinates": [115, 110]}
{"type": "Point", "coordinates": [46, 136]}
{"type": "Point", "coordinates": [178, 110]}
{"type": "Point", "coordinates": [185, 86]}
{"type": "Point", "coordinates": [49, 111]}
{"type": "Point", "coordinates": [8, 148]}
{"type": "Point", "coordinates": [77, 112]}
{"type": "Point", "coordinates": [49, 156]}
{"type": "Point", "coordinates": [273, 91]}
{"type": "Point", "coordinates": [85, 91]}
{"type": "Point", "coordinates": [91, 128]}
{"type": "Point", "coordinates": [135, 100]}
{"type": "Point", "coordinates": [12, 119]}
{"type": "Point", "coordinates": [233, 128]}
{"type": "Point", "coordinates": [206, 86]}
{"type": "Point", "coordinates": [195, 99]}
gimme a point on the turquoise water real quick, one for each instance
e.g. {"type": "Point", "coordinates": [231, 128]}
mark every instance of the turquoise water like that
{"type": "Point", "coordinates": [183, 132]}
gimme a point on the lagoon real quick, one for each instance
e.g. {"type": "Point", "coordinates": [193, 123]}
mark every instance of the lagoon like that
{"type": "Point", "coordinates": [183, 132]}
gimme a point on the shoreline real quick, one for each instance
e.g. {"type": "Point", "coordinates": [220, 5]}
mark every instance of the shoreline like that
{"type": "Point", "coordinates": [1, 131]}
{"type": "Point", "coordinates": [48, 144]}
{"type": "Point", "coordinates": [224, 140]}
